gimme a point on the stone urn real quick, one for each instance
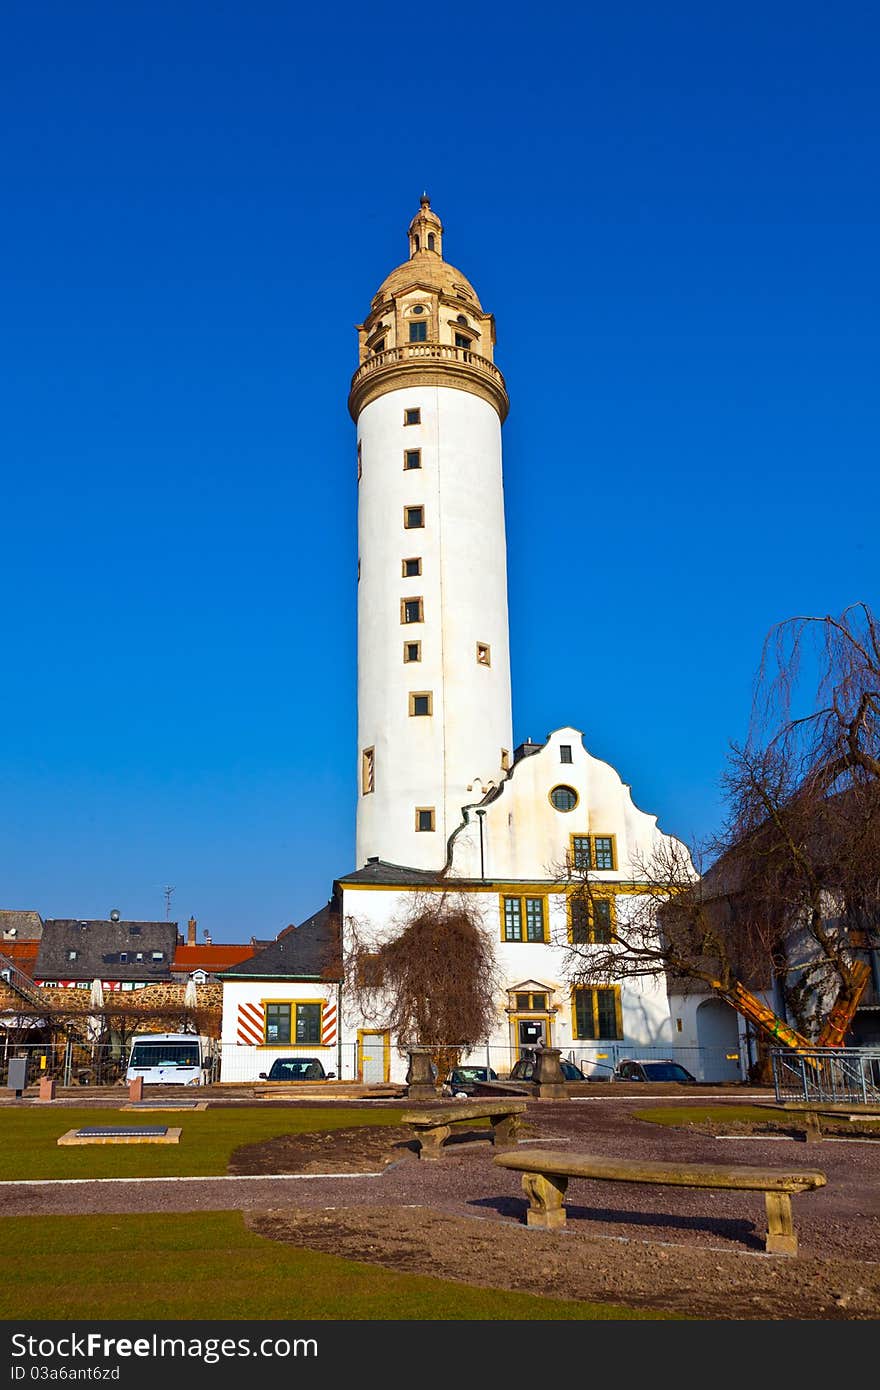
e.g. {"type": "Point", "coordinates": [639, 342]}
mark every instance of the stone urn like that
{"type": "Point", "coordinates": [548, 1079]}
{"type": "Point", "coordinates": [420, 1081]}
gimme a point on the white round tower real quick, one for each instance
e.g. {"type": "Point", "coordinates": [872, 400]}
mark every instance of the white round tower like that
{"type": "Point", "coordinates": [434, 708]}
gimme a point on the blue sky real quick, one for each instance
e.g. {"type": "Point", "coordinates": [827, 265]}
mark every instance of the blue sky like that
{"type": "Point", "coordinates": [673, 213]}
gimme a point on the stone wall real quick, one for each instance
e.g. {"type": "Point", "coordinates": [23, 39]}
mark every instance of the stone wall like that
{"type": "Point", "coordinates": [163, 997]}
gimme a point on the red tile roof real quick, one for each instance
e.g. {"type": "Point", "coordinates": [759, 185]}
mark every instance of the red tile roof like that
{"type": "Point", "coordinates": [21, 953]}
{"type": "Point", "coordinates": [209, 957]}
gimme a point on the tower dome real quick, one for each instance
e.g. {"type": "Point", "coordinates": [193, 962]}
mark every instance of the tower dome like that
{"type": "Point", "coordinates": [426, 321]}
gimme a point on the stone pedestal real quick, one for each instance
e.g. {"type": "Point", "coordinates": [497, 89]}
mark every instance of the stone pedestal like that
{"type": "Point", "coordinates": [136, 1088]}
{"type": "Point", "coordinates": [548, 1078]}
{"type": "Point", "coordinates": [47, 1088]}
{"type": "Point", "coordinates": [420, 1082]}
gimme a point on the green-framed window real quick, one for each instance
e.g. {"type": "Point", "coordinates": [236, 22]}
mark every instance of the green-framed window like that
{"type": "Point", "coordinates": [603, 852]}
{"type": "Point", "coordinates": [596, 1012]}
{"type": "Point", "coordinates": [297, 1024]}
{"type": "Point", "coordinates": [581, 852]}
{"type": "Point", "coordinates": [277, 1024]}
{"type": "Point", "coordinates": [308, 1023]}
{"type": "Point", "coordinates": [592, 852]}
{"type": "Point", "coordinates": [523, 919]}
{"type": "Point", "coordinates": [590, 920]}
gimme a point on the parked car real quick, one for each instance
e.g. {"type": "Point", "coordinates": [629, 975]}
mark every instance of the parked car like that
{"type": "Point", "coordinates": [297, 1069]}
{"type": "Point", "coordinates": [468, 1078]}
{"type": "Point", "coordinates": [524, 1069]}
{"type": "Point", "coordinates": [660, 1069]}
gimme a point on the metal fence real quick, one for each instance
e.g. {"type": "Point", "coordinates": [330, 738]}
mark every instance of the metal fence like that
{"type": "Point", "coordinates": [67, 1062]}
{"type": "Point", "coordinates": [71, 1063]}
{"type": "Point", "coordinates": [598, 1060]}
{"type": "Point", "coordinates": [244, 1064]}
{"type": "Point", "coordinates": [241, 1063]}
{"type": "Point", "coordinates": [827, 1074]}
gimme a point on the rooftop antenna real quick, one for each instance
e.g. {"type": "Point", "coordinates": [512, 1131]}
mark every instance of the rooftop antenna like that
{"type": "Point", "coordinates": [168, 890]}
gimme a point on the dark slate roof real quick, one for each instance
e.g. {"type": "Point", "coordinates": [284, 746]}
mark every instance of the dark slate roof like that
{"type": "Point", "coordinates": [310, 951]}
{"type": "Point", "coordinates": [100, 947]}
{"type": "Point", "coordinates": [385, 875]}
{"type": "Point", "coordinates": [20, 926]}
{"type": "Point", "coordinates": [396, 875]}
{"type": "Point", "coordinates": [526, 749]}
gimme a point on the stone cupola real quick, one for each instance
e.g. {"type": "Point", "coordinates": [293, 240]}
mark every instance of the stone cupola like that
{"type": "Point", "coordinates": [426, 327]}
{"type": "Point", "coordinates": [425, 230]}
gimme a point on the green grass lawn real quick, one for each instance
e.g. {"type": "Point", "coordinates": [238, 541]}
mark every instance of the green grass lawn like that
{"type": "Point", "coordinates": [29, 1148]}
{"type": "Point", "coordinates": [715, 1114]}
{"type": "Point", "coordinates": [209, 1265]}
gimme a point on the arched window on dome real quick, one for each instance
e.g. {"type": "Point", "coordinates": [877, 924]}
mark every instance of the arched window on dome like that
{"type": "Point", "coordinates": [431, 241]}
{"type": "Point", "coordinates": [416, 243]}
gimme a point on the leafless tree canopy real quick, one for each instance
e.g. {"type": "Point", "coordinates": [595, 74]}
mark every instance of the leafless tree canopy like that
{"type": "Point", "coordinates": [793, 890]}
{"type": "Point", "coordinates": [817, 701]}
{"type": "Point", "coordinates": [432, 979]}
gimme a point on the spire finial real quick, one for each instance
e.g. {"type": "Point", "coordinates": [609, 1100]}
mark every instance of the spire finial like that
{"type": "Point", "coordinates": [425, 200]}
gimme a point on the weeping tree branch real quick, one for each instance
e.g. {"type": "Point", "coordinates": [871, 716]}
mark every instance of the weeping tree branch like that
{"type": "Point", "coordinates": [431, 978]}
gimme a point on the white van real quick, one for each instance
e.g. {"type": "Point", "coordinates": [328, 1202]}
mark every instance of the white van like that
{"type": "Point", "coordinates": [170, 1059]}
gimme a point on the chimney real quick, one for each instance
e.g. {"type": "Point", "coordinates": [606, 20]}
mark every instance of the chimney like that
{"type": "Point", "coordinates": [191, 932]}
{"type": "Point", "coordinates": [207, 938]}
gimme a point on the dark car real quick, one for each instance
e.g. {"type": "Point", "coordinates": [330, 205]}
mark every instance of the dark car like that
{"type": "Point", "coordinates": [524, 1070]}
{"type": "Point", "coordinates": [663, 1069]}
{"type": "Point", "coordinates": [297, 1069]}
{"type": "Point", "coordinates": [467, 1078]}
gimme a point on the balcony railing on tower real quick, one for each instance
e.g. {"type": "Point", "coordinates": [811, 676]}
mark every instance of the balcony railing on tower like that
{"type": "Point", "coordinates": [444, 354]}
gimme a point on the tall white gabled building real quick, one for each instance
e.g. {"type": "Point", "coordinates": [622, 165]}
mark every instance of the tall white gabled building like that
{"type": "Point", "coordinates": [434, 705]}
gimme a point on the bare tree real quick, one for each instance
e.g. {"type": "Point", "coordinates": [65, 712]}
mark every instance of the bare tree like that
{"type": "Point", "coordinates": [793, 891]}
{"type": "Point", "coordinates": [431, 978]}
{"type": "Point", "coordinates": [817, 698]}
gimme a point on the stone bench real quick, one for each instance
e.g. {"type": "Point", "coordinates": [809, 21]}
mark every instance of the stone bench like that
{"type": "Point", "coordinates": [546, 1173]}
{"type": "Point", "coordinates": [433, 1123]}
{"type": "Point", "coordinates": [812, 1112]}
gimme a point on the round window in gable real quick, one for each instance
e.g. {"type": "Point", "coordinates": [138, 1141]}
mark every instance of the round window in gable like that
{"type": "Point", "coordinates": [563, 798]}
{"type": "Point", "coordinates": [461, 318]}
{"type": "Point", "coordinates": [418, 308]}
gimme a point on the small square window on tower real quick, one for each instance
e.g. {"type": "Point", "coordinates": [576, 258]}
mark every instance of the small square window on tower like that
{"type": "Point", "coordinates": [463, 341]}
{"type": "Point", "coordinates": [421, 702]}
{"type": "Point", "coordinates": [418, 332]}
{"type": "Point", "coordinates": [412, 567]}
{"type": "Point", "coordinates": [412, 458]}
{"type": "Point", "coordinates": [412, 651]}
{"type": "Point", "coordinates": [368, 771]}
{"type": "Point", "coordinates": [413, 518]}
{"type": "Point", "coordinates": [484, 654]}
{"type": "Point", "coordinates": [412, 610]}
{"type": "Point", "coordinates": [412, 416]}
{"type": "Point", "coordinates": [565, 752]}
{"type": "Point", "coordinates": [425, 819]}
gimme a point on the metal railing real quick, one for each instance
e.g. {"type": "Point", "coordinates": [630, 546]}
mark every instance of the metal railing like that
{"type": "Point", "coordinates": [844, 1074]}
{"type": "Point", "coordinates": [420, 352]}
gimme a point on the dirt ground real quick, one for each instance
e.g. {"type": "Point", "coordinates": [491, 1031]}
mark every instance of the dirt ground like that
{"type": "Point", "coordinates": [698, 1253]}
